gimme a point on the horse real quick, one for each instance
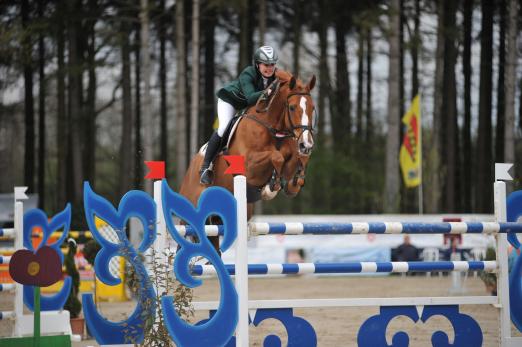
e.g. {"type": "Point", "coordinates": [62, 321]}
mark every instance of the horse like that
{"type": "Point", "coordinates": [276, 138]}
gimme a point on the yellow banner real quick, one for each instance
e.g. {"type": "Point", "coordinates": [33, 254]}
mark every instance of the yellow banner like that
{"type": "Point", "coordinates": [410, 156]}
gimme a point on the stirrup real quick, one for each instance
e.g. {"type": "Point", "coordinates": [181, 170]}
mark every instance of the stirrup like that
{"type": "Point", "coordinates": [206, 176]}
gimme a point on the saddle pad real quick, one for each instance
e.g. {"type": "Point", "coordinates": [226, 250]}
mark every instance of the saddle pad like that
{"type": "Point", "coordinates": [227, 135]}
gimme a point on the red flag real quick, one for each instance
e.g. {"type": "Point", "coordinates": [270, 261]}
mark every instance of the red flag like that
{"type": "Point", "coordinates": [237, 164]}
{"type": "Point", "coordinates": [157, 170]}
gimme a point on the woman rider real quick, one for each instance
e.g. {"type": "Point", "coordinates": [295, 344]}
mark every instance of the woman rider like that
{"type": "Point", "coordinates": [237, 95]}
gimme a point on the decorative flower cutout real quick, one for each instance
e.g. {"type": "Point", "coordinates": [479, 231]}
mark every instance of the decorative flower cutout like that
{"type": "Point", "coordinates": [41, 269]}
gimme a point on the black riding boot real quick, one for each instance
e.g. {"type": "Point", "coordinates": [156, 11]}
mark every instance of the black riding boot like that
{"type": "Point", "coordinates": [206, 174]}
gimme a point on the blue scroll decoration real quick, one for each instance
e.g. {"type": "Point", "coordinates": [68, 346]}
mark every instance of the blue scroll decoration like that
{"type": "Point", "coordinates": [38, 218]}
{"type": "Point", "coordinates": [467, 332]}
{"type": "Point", "coordinates": [514, 211]}
{"type": "Point", "coordinates": [300, 333]}
{"type": "Point", "coordinates": [213, 201]}
{"type": "Point", "coordinates": [136, 204]}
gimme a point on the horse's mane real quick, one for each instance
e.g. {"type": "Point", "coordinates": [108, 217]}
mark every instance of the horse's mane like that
{"type": "Point", "coordinates": [283, 76]}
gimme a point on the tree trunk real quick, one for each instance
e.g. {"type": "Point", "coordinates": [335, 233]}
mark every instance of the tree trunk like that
{"type": "Point", "coordinates": [501, 99]}
{"type": "Point", "coordinates": [29, 158]}
{"type": "Point", "coordinates": [484, 152]}
{"type": "Point", "coordinates": [520, 106]}
{"type": "Point", "coordinates": [75, 103]}
{"type": "Point", "coordinates": [61, 116]}
{"type": "Point", "coordinates": [360, 84]}
{"type": "Point", "coordinates": [138, 144]}
{"type": "Point", "coordinates": [432, 175]}
{"type": "Point", "coordinates": [391, 196]}
{"type": "Point", "coordinates": [324, 80]}
{"type": "Point", "coordinates": [296, 27]}
{"type": "Point", "coordinates": [194, 95]}
{"type": "Point", "coordinates": [262, 22]}
{"type": "Point", "coordinates": [467, 180]}
{"type": "Point", "coordinates": [342, 117]}
{"type": "Point", "coordinates": [369, 115]}
{"type": "Point", "coordinates": [210, 72]}
{"type": "Point", "coordinates": [162, 36]}
{"type": "Point", "coordinates": [510, 80]}
{"type": "Point", "coordinates": [401, 65]}
{"type": "Point", "coordinates": [148, 140]}
{"type": "Point", "coordinates": [415, 44]}
{"type": "Point", "coordinates": [90, 115]}
{"type": "Point", "coordinates": [449, 111]}
{"type": "Point", "coordinates": [181, 110]}
{"type": "Point", "coordinates": [42, 90]}
{"type": "Point", "coordinates": [244, 38]}
{"type": "Point", "coordinates": [125, 181]}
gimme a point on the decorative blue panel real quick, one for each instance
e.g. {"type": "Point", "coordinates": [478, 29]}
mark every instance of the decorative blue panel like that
{"type": "Point", "coordinates": [514, 211]}
{"type": "Point", "coordinates": [300, 333]}
{"type": "Point", "coordinates": [136, 204]}
{"type": "Point", "coordinates": [373, 331]}
{"type": "Point", "coordinates": [213, 201]}
{"type": "Point", "coordinates": [61, 221]}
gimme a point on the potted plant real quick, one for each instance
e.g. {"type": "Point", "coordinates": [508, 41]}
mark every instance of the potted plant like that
{"type": "Point", "coordinates": [73, 304]}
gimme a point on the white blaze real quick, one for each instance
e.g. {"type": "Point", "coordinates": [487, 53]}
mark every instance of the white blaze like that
{"type": "Point", "coordinates": [307, 139]}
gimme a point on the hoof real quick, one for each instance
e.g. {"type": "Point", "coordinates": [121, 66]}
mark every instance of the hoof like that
{"type": "Point", "coordinates": [268, 194]}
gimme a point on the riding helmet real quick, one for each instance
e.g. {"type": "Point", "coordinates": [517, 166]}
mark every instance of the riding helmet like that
{"type": "Point", "coordinates": [265, 55]}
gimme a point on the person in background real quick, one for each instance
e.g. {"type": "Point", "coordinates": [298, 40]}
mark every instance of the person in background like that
{"type": "Point", "coordinates": [406, 251]}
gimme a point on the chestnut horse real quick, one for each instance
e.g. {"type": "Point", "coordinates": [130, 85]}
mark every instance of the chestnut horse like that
{"type": "Point", "coordinates": [276, 139]}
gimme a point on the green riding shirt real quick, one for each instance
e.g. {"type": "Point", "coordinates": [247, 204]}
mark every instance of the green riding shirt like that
{"type": "Point", "coordinates": [245, 90]}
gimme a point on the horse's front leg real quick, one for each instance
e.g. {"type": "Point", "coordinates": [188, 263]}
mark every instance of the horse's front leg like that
{"type": "Point", "coordinates": [261, 166]}
{"type": "Point", "coordinates": [264, 170]}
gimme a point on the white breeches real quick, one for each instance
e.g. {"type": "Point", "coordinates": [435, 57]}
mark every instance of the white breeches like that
{"type": "Point", "coordinates": [225, 113]}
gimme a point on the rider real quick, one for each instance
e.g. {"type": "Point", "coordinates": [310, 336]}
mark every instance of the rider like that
{"type": "Point", "coordinates": [237, 95]}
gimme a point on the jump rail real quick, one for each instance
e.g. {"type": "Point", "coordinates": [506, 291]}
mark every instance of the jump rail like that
{"type": "Point", "coordinates": [258, 229]}
{"type": "Point", "coordinates": [354, 267]}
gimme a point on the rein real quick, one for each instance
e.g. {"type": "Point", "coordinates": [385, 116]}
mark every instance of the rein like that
{"type": "Point", "coordinates": [280, 134]}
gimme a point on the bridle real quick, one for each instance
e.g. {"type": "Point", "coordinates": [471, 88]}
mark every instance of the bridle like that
{"type": "Point", "coordinates": [289, 110]}
{"type": "Point", "coordinates": [280, 134]}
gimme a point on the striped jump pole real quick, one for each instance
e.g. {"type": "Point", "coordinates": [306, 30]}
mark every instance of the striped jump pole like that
{"type": "Point", "coordinates": [386, 228]}
{"type": "Point", "coordinates": [7, 287]}
{"type": "Point", "coordinates": [7, 315]}
{"type": "Point", "coordinates": [383, 228]}
{"type": "Point", "coordinates": [5, 259]}
{"type": "Point", "coordinates": [352, 267]}
{"type": "Point", "coordinates": [7, 233]}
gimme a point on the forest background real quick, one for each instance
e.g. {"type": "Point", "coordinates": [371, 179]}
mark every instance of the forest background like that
{"type": "Point", "coordinates": [89, 89]}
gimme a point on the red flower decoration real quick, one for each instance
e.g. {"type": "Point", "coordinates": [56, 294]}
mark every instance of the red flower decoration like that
{"type": "Point", "coordinates": [41, 269]}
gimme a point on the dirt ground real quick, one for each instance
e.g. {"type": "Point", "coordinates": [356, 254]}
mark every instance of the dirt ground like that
{"type": "Point", "coordinates": [333, 326]}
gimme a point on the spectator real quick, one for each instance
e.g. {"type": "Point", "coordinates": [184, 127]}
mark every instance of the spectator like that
{"type": "Point", "coordinates": [406, 251]}
{"type": "Point", "coordinates": [452, 252]}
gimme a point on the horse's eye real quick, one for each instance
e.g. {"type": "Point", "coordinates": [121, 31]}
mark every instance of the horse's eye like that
{"type": "Point", "coordinates": [292, 108]}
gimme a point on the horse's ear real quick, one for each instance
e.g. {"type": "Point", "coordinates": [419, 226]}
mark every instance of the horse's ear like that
{"type": "Point", "coordinates": [292, 83]}
{"type": "Point", "coordinates": [311, 84]}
